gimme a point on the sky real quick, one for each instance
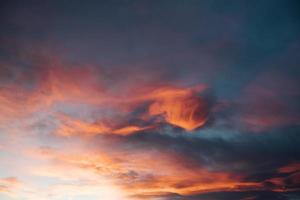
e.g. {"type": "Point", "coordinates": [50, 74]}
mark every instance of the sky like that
{"type": "Point", "coordinates": [150, 100]}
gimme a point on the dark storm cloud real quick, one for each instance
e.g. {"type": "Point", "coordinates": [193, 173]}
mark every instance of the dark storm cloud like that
{"type": "Point", "coordinates": [251, 195]}
{"type": "Point", "coordinates": [188, 42]}
{"type": "Point", "coordinates": [255, 156]}
{"type": "Point", "coordinates": [270, 99]}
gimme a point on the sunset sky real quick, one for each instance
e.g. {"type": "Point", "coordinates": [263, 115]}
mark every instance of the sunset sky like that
{"type": "Point", "coordinates": [150, 100]}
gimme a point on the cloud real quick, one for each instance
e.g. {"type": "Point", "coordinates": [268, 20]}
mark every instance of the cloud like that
{"type": "Point", "coordinates": [250, 195]}
{"type": "Point", "coordinates": [270, 99]}
{"type": "Point", "coordinates": [126, 132]}
{"type": "Point", "coordinates": [8, 185]}
{"type": "Point", "coordinates": [245, 162]}
{"type": "Point", "coordinates": [123, 108]}
{"type": "Point", "coordinates": [133, 171]}
{"type": "Point", "coordinates": [59, 88]}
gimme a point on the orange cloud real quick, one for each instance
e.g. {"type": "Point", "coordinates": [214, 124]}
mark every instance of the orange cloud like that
{"type": "Point", "coordinates": [65, 85]}
{"type": "Point", "coordinates": [9, 184]}
{"type": "Point", "coordinates": [180, 108]}
{"type": "Point", "coordinates": [70, 126]}
{"type": "Point", "coordinates": [127, 130]}
{"type": "Point", "coordinates": [135, 172]}
{"type": "Point", "coordinates": [290, 168]}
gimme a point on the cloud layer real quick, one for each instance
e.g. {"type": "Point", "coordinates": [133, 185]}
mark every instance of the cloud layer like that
{"type": "Point", "coordinates": [147, 100]}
